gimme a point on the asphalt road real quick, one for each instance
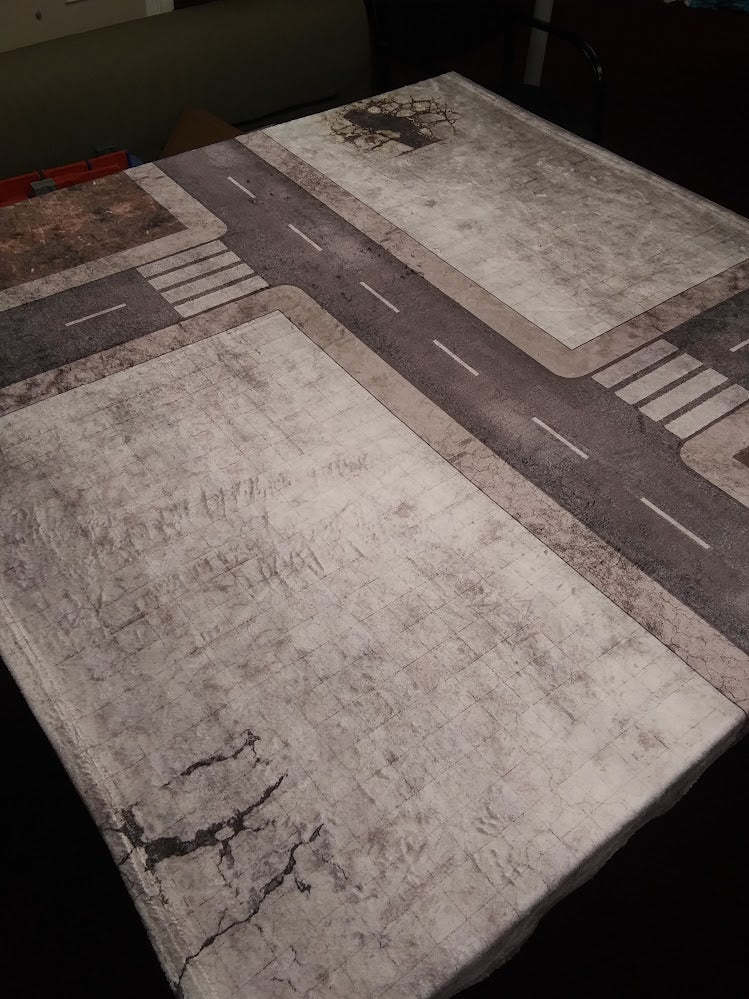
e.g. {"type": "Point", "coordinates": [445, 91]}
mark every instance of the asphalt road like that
{"type": "Point", "coordinates": [511, 403]}
{"type": "Point", "coordinates": [35, 337]}
{"type": "Point", "coordinates": [629, 456]}
{"type": "Point", "coordinates": [720, 337]}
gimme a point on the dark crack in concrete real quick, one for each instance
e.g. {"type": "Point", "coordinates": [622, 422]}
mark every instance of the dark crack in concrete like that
{"type": "Point", "coordinates": [255, 901]}
{"type": "Point", "coordinates": [163, 847]}
{"type": "Point", "coordinates": [248, 742]}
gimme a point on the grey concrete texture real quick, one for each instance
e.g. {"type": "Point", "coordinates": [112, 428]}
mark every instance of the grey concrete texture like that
{"type": "Point", "coordinates": [347, 726]}
{"type": "Point", "coordinates": [365, 621]}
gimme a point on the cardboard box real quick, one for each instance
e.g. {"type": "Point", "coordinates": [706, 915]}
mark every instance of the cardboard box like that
{"type": "Point", "coordinates": [196, 128]}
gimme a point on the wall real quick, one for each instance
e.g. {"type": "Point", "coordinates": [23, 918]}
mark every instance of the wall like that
{"type": "Point", "coordinates": [24, 22]}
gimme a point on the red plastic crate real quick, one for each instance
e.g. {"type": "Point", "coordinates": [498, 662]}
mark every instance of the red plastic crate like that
{"type": "Point", "coordinates": [68, 179]}
{"type": "Point", "coordinates": [117, 160]}
{"type": "Point", "coordinates": [81, 176]}
{"type": "Point", "coordinates": [63, 171]}
{"type": "Point", "coordinates": [17, 188]}
{"type": "Point", "coordinates": [102, 171]}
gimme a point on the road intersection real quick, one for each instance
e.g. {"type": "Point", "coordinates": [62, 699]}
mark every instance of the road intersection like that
{"type": "Point", "coordinates": [586, 441]}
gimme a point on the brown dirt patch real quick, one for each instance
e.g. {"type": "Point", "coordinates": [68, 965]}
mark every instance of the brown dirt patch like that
{"type": "Point", "coordinates": [79, 224]}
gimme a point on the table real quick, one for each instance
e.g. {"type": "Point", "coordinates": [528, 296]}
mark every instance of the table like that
{"type": "Point", "coordinates": [373, 540]}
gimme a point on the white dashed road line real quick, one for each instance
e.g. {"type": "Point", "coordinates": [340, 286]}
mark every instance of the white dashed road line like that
{"type": "Point", "coordinates": [559, 437]}
{"type": "Point", "coordinates": [378, 295]}
{"type": "Point", "coordinates": [675, 523]}
{"type": "Point", "coordinates": [241, 188]}
{"type": "Point", "coordinates": [305, 237]}
{"type": "Point", "coordinates": [93, 315]}
{"type": "Point", "coordinates": [454, 357]}
{"type": "Point", "coordinates": [738, 346]}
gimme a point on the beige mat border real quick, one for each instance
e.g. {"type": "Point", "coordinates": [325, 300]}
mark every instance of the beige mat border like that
{"type": "Point", "coordinates": [713, 454]}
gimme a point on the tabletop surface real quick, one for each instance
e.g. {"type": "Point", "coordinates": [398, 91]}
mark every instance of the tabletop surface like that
{"type": "Point", "coordinates": [374, 528]}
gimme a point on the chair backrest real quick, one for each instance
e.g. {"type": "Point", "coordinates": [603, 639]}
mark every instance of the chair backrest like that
{"type": "Point", "coordinates": [430, 31]}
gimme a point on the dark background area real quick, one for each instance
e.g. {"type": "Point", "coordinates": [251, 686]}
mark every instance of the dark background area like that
{"type": "Point", "coordinates": [669, 913]}
{"type": "Point", "coordinates": [678, 88]}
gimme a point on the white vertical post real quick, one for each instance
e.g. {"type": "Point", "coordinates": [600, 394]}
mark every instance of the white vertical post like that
{"type": "Point", "coordinates": [159, 7]}
{"type": "Point", "coordinates": [534, 63]}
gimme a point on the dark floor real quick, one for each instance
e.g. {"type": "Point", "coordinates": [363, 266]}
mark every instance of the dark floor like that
{"type": "Point", "coordinates": [667, 915]}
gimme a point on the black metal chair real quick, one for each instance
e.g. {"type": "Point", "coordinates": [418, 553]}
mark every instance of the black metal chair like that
{"type": "Point", "coordinates": [534, 99]}
{"type": "Point", "coordinates": [431, 33]}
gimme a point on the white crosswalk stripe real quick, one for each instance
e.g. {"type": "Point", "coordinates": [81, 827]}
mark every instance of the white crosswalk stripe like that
{"type": "Point", "coordinates": [709, 411]}
{"type": "Point", "coordinates": [227, 294]}
{"type": "Point", "coordinates": [216, 280]}
{"type": "Point", "coordinates": [651, 370]}
{"type": "Point", "coordinates": [654, 381]}
{"type": "Point", "coordinates": [194, 270]}
{"type": "Point", "coordinates": [202, 278]}
{"type": "Point", "coordinates": [185, 257]}
{"type": "Point", "coordinates": [683, 394]}
{"type": "Point", "coordinates": [644, 358]}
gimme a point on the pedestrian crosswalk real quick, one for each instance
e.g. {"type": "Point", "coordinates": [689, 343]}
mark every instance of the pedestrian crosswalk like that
{"type": "Point", "coordinates": [668, 383]}
{"type": "Point", "coordinates": [645, 358]}
{"type": "Point", "coordinates": [201, 278]}
{"type": "Point", "coordinates": [660, 377]}
{"type": "Point", "coordinates": [709, 411]}
{"type": "Point", "coordinates": [679, 397]}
